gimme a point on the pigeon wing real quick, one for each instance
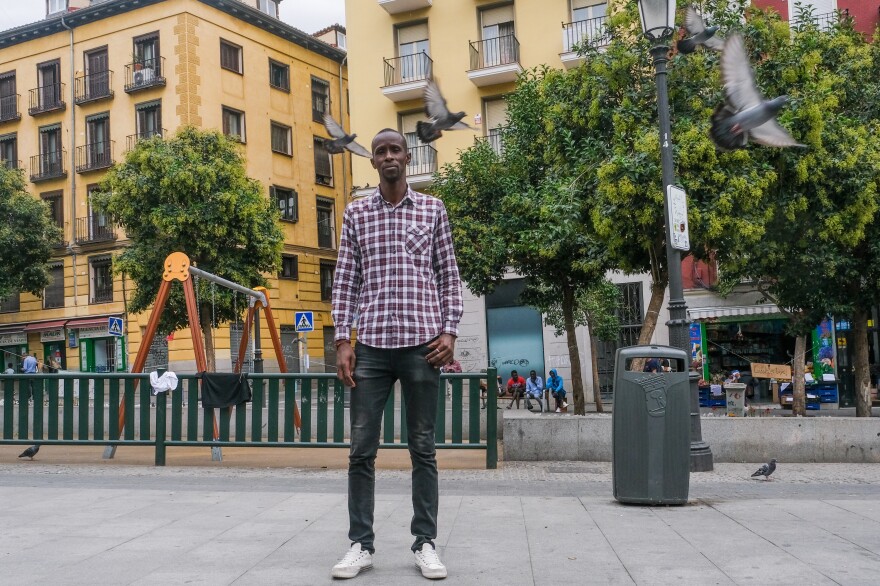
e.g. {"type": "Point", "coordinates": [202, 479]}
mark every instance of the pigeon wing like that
{"type": "Point", "coordinates": [693, 22]}
{"type": "Point", "coordinates": [357, 149]}
{"type": "Point", "coordinates": [737, 74]}
{"type": "Point", "coordinates": [714, 43]}
{"type": "Point", "coordinates": [773, 135]}
{"type": "Point", "coordinates": [461, 126]}
{"type": "Point", "coordinates": [333, 127]}
{"type": "Point", "coordinates": [435, 103]}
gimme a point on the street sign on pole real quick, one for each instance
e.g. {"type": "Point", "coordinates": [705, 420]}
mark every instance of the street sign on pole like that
{"type": "Point", "coordinates": [114, 326]}
{"type": "Point", "coordinates": [678, 219]}
{"type": "Point", "coordinates": [305, 321]}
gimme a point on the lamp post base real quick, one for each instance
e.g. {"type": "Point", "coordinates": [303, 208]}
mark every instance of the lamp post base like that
{"type": "Point", "coordinates": [701, 453]}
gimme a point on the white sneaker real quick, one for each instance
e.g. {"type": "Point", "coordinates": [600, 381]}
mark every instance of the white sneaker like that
{"type": "Point", "coordinates": [429, 563]}
{"type": "Point", "coordinates": [558, 410]}
{"type": "Point", "coordinates": [355, 560]}
{"type": "Point", "coordinates": [565, 405]}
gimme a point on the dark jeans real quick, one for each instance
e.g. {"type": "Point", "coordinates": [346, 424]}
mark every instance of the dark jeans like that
{"type": "Point", "coordinates": [375, 372]}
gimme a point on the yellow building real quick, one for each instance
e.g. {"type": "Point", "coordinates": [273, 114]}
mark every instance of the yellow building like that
{"type": "Point", "coordinates": [473, 48]}
{"type": "Point", "coordinates": [80, 88]}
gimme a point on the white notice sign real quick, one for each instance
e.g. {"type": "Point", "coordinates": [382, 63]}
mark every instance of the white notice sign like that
{"type": "Point", "coordinates": [678, 219]}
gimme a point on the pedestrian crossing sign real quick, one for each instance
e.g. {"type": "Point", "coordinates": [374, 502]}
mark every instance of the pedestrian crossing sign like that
{"type": "Point", "coordinates": [305, 321]}
{"type": "Point", "coordinates": [114, 326]}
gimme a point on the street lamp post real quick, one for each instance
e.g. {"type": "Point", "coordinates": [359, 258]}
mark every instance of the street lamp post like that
{"type": "Point", "coordinates": [658, 24]}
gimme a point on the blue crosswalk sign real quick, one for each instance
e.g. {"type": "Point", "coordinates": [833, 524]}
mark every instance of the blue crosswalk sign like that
{"type": "Point", "coordinates": [305, 321]}
{"type": "Point", "coordinates": [114, 326]}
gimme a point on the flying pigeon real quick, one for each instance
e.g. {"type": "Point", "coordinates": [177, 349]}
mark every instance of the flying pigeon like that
{"type": "Point", "coordinates": [440, 117]}
{"type": "Point", "coordinates": [700, 34]}
{"type": "Point", "coordinates": [341, 140]}
{"type": "Point", "coordinates": [745, 115]}
{"type": "Point", "coordinates": [766, 470]}
{"type": "Point", "coordinates": [30, 452]}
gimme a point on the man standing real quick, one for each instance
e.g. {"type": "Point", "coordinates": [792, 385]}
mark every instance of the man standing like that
{"type": "Point", "coordinates": [29, 366]}
{"type": "Point", "coordinates": [397, 272]}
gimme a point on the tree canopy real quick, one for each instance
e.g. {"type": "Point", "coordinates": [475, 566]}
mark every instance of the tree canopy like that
{"type": "Point", "coordinates": [27, 236]}
{"type": "Point", "coordinates": [191, 194]}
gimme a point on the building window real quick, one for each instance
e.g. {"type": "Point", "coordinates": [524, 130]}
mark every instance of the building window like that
{"type": "Point", "coordinates": [9, 150]}
{"type": "Point", "coordinates": [8, 97]}
{"type": "Point", "coordinates": [146, 57]}
{"type": "Point", "coordinates": [326, 223]}
{"type": "Point", "coordinates": [289, 267]}
{"type": "Point", "coordinates": [101, 279]}
{"type": "Point", "coordinates": [57, 6]}
{"type": "Point", "coordinates": [96, 83]}
{"type": "Point", "coordinates": [11, 303]}
{"type": "Point", "coordinates": [53, 294]}
{"type": "Point", "coordinates": [323, 163]}
{"type": "Point", "coordinates": [495, 119]}
{"type": "Point", "coordinates": [320, 99]}
{"type": "Point", "coordinates": [149, 119]}
{"type": "Point", "coordinates": [233, 124]}
{"type": "Point", "coordinates": [327, 270]}
{"type": "Point", "coordinates": [499, 44]}
{"type": "Point", "coordinates": [49, 80]}
{"type": "Point", "coordinates": [98, 149]}
{"type": "Point", "coordinates": [270, 7]}
{"type": "Point", "coordinates": [55, 200]}
{"type": "Point", "coordinates": [279, 75]}
{"type": "Point", "coordinates": [230, 56]}
{"type": "Point", "coordinates": [287, 203]}
{"type": "Point", "coordinates": [51, 159]}
{"type": "Point", "coordinates": [413, 51]}
{"type": "Point", "coordinates": [281, 142]}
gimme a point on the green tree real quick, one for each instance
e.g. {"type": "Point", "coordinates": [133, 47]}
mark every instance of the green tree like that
{"type": "Point", "coordinates": [192, 194]}
{"type": "Point", "coordinates": [26, 235]}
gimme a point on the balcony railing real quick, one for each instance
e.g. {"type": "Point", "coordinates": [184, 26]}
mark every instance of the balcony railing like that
{"type": "Point", "coordinates": [144, 74]}
{"type": "Point", "coordinates": [103, 294]}
{"type": "Point", "coordinates": [591, 31]}
{"type": "Point", "coordinates": [46, 99]}
{"type": "Point", "coordinates": [423, 160]}
{"type": "Point", "coordinates": [48, 166]}
{"type": "Point", "coordinates": [11, 163]}
{"type": "Point", "coordinates": [92, 229]}
{"type": "Point", "coordinates": [823, 22]}
{"type": "Point", "coordinates": [493, 52]}
{"type": "Point", "coordinates": [132, 139]}
{"type": "Point", "coordinates": [94, 86]}
{"type": "Point", "coordinates": [416, 67]}
{"type": "Point", "coordinates": [9, 108]}
{"type": "Point", "coordinates": [98, 155]}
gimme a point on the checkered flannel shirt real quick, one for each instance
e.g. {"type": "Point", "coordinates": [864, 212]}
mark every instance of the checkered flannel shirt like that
{"type": "Point", "coordinates": [397, 272]}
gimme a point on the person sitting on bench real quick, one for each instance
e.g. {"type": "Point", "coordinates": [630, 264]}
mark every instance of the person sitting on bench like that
{"type": "Point", "coordinates": [516, 387]}
{"type": "Point", "coordinates": [554, 385]}
{"type": "Point", "coordinates": [534, 390]}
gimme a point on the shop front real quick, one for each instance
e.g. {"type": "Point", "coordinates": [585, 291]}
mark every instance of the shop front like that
{"type": "Point", "coordinates": [54, 355]}
{"type": "Point", "coordinates": [98, 350]}
{"type": "Point", "coordinates": [14, 347]}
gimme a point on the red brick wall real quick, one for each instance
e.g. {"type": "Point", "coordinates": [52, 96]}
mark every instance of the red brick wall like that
{"type": "Point", "coordinates": [865, 13]}
{"type": "Point", "coordinates": [780, 6]}
{"type": "Point", "coordinates": [697, 274]}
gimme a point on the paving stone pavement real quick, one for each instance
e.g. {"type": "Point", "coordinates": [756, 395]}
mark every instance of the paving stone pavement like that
{"type": "Point", "coordinates": [544, 523]}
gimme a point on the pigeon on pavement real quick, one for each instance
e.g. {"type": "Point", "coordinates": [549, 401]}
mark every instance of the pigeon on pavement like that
{"type": "Point", "coordinates": [30, 452]}
{"type": "Point", "coordinates": [766, 470]}
{"type": "Point", "coordinates": [700, 34]}
{"type": "Point", "coordinates": [341, 140]}
{"type": "Point", "coordinates": [745, 115]}
{"type": "Point", "coordinates": [440, 117]}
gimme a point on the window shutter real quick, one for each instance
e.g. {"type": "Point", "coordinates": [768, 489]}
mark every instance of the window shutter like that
{"type": "Point", "coordinates": [413, 33]}
{"type": "Point", "coordinates": [497, 15]}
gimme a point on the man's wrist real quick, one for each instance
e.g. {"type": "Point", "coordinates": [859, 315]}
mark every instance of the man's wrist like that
{"type": "Point", "coordinates": [341, 342]}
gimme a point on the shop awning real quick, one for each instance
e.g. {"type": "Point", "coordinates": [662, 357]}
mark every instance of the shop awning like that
{"type": "Point", "coordinates": [45, 325]}
{"type": "Point", "coordinates": [731, 313]}
{"type": "Point", "coordinates": [12, 329]}
{"type": "Point", "coordinates": [89, 322]}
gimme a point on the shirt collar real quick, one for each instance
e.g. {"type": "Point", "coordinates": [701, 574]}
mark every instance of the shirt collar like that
{"type": "Point", "coordinates": [415, 198]}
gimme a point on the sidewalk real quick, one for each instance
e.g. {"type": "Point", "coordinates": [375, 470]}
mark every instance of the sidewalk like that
{"type": "Point", "coordinates": [542, 523]}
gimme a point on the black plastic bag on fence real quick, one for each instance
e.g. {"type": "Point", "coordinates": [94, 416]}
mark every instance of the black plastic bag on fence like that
{"type": "Point", "coordinates": [224, 389]}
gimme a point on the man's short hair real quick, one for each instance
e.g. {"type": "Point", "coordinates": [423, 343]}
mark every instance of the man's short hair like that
{"type": "Point", "coordinates": [513, 372]}
{"type": "Point", "coordinates": [397, 132]}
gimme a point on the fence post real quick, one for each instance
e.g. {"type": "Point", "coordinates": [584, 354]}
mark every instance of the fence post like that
{"type": "Point", "coordinates": [161, 416]}
{"type": "Point", "coordinates": [492, 419]}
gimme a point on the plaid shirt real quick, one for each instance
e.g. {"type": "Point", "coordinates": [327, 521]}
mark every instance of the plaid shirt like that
{"type": "Point", "coordinates": [397, 272]}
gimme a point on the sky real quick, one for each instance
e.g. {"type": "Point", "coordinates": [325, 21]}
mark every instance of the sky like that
{"type": "Point", "coordinates": [307, 15]}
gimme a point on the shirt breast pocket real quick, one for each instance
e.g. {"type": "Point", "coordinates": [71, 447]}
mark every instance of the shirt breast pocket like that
{"type": "Point", "coordinates": [418, 240]}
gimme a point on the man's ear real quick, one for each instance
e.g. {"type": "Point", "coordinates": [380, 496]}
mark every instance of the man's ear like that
{"type": "Point", "coordinates": [373, 162]}
{"type": "Point", "coordinates": [408, 156]}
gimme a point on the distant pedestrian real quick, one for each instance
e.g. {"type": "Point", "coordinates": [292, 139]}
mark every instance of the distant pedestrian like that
{"type": "Point", "coordinates": [9, 369]}
{"type": "Point", "coordinates": [534, 390]}
{"type": "Point", "coordinates": [557, 390]}
{"type": "Point", "coordinates": [652, 365]}
{"type": "Point", "coordinates": [30, 366]}
{"type": "Point", "coordinates": [516, 388]}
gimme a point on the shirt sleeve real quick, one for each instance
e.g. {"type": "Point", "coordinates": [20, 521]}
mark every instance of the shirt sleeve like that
{"type": "Point", "coordinates": [446, 270]}
{"type": "Point", "coordinates": [347, 279]}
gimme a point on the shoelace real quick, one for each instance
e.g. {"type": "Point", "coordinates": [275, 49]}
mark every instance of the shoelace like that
{"type": "Point", "coordinates": [430, 557]}
{"type": "Point", "coordinates": [352, 556]}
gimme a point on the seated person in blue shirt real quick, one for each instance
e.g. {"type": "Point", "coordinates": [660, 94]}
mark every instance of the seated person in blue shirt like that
{"type": "Point", "coordinates": [554, 385]}
{"type": "Point", "coordinates": [534, 390]}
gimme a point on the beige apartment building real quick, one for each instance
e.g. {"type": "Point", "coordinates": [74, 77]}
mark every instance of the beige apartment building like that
{"type": "Point", "coordinates": [79, 88]}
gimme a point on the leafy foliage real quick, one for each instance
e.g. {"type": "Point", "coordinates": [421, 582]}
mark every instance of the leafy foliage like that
{"type": "Point", "coordinates": [26, 236]}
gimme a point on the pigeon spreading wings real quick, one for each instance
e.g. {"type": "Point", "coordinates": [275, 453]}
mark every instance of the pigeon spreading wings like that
{"type": "Point", "coordinates": [766, 470]}
{"type": "Point", "coordinates": [745, 114]}
{"type": "Point", "coordinates": [341, 140]}
{"type": "Point", "coordinates": [700, 34]}
{"type": "Point", "coordinates": [440, 117]}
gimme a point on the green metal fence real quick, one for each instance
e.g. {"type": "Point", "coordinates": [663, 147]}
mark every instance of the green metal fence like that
{"type": "Point", "coordinates": [84, 409]}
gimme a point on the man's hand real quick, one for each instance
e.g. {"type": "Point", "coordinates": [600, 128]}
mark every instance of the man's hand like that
{"type": "Point", "coordinates": [345, 364]}
{"type": "Point", "coordinates": [442, 350]}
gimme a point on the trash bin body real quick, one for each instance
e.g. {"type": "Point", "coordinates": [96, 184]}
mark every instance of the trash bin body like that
{"type": "Point", "coordinates": [651, 429]}
{"type": "Point", "coordinates": [735, 394]}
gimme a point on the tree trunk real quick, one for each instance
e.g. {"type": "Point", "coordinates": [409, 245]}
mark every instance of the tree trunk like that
{"type": "Point", "coordinates": [577, 383]}
{"type": "Point", "coordinates": [799, 396]}
{"type": "Point", "coordinates": [208, 331]}
{"type": "Point", "coordinates": [594, 365]}
{"type": "Point", "coordinates": [861, 373]}
{"type": "Point", "coordinates": [658, 290]}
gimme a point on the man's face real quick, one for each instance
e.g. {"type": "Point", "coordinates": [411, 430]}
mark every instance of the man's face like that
{"type": "Point", "coordinates": [533, 375]}
{"type": "Point", "coordinates": [514, 375]}
{"type": "Point", "coordinates": [390, 155]}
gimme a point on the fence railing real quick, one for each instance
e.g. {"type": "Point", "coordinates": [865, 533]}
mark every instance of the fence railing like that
{"type": "Point", "coordinates": [93, 86]}
{"type": "Point", "coordinates": [423, 160]}
{"type": "Point", "coordinates": [93, 156]}
{"type": "Point", "coordinates": [144, 74]}
{"type": "Point", "coordinates": [49, 165]}
{"type": "Point", "coordinates": [132, 139]}
{"type": "Point", "coordinates": [591, 31]}
{"type": "Point", "coordinates": [9, 108]}
{"type": "Point", "coordinates": [94, 228]}
{"type": "Point", "coordinates": [493, 52]}
{"type": "Point", "coordinates": [823, 21]}
{"type": "Point", "coordinates": [46, 98]}
{"type": "Point", "coordinates": [75, 408]}
{"type": "Point", "coordinates": [407, 68]}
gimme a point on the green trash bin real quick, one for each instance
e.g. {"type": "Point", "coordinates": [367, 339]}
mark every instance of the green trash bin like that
{"type": "Point", "coordinates": [651, 427]}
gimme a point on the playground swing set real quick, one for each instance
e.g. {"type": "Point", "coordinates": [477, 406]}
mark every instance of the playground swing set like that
{"type": "Point", "coordinates": [178, 268]}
